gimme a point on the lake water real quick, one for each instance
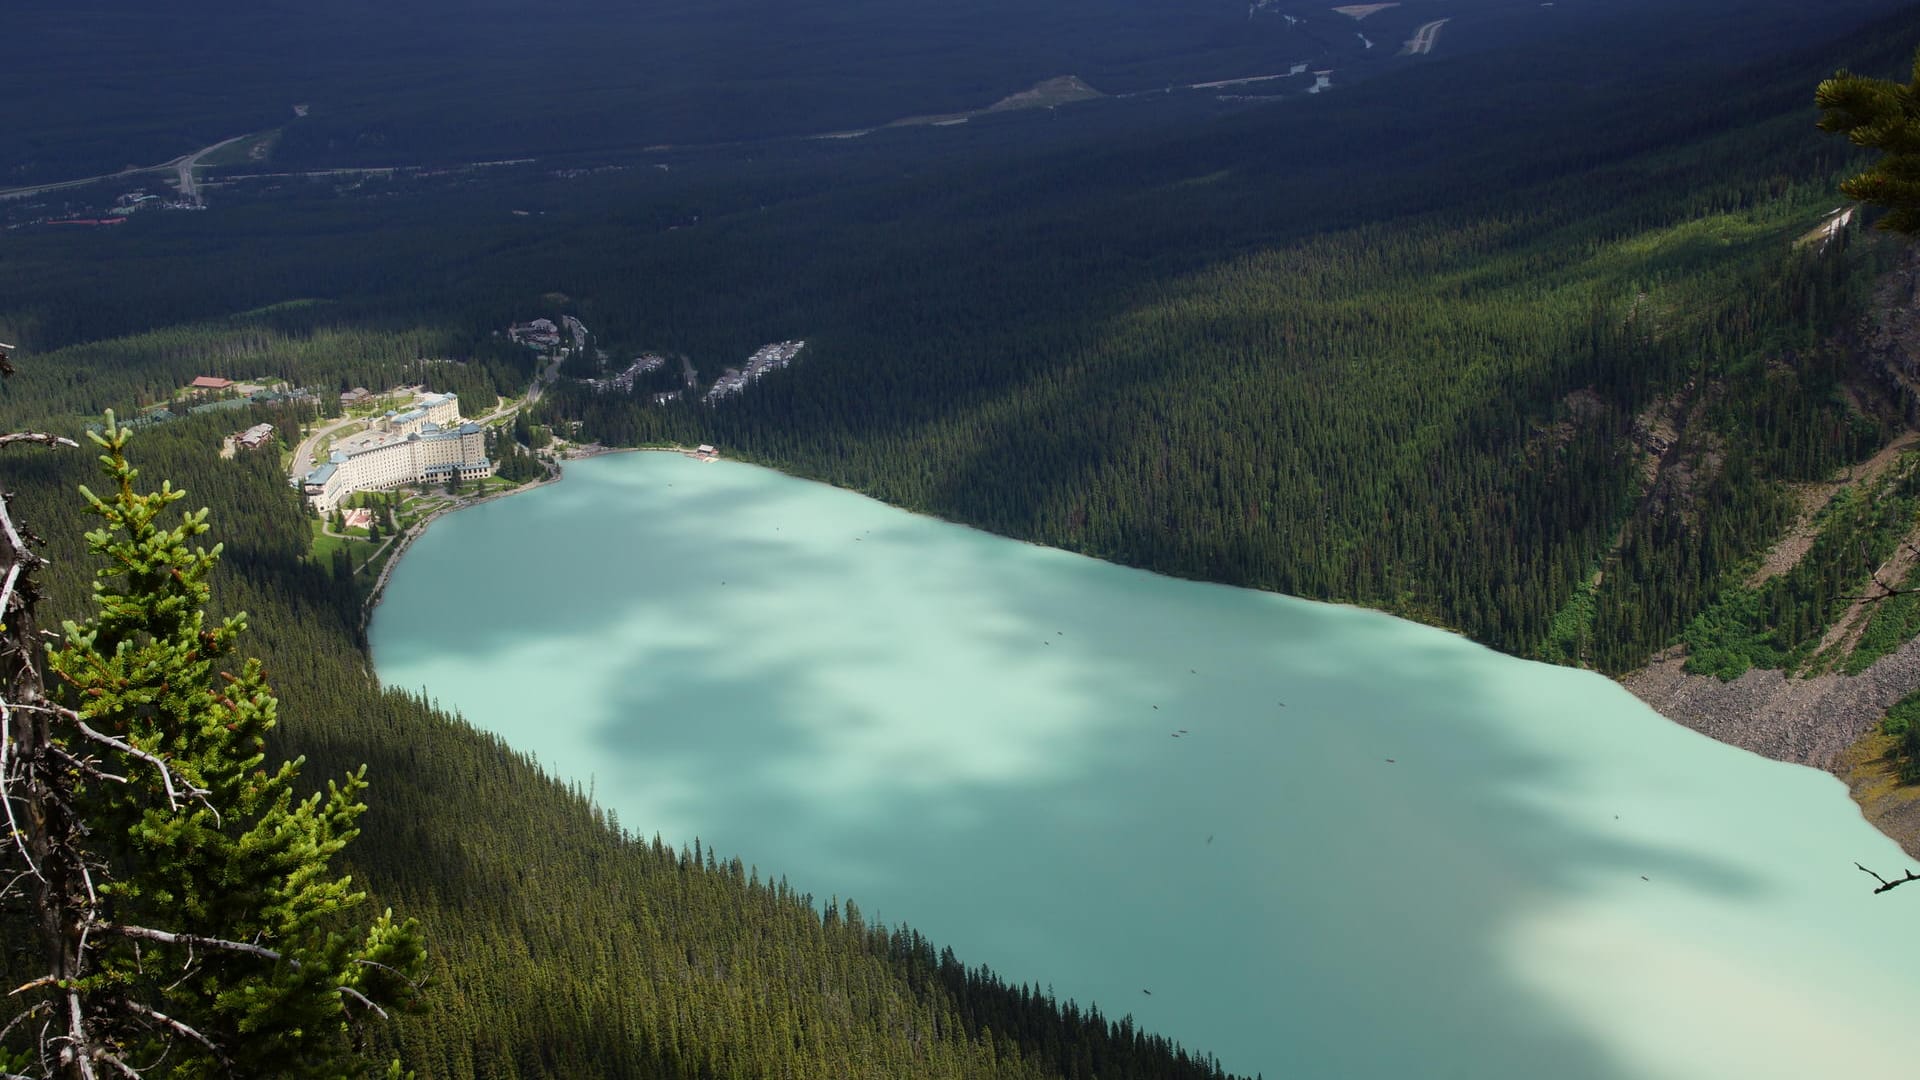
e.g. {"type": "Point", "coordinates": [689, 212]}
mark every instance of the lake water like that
{"type": "Point", "coordinates": [1373, 850]}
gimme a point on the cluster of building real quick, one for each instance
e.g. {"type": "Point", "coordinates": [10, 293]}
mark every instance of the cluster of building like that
{"type": "Point", "coordinates": [240, 395]}
{"type": "Point", "coordinates": [766, 358]}
{"type": "Point", "coordinates": [623, 382]}
{"type": "Point", "coordinates": [544, 334]}
{"type": "Point", "coordinates": [538, 334]}
{"type": "Point", "coordinates": [253, 438]}
{"type": "Point", "coordinates": [425, 444]}
{"type": "Point", "coordinates": [134, 201]}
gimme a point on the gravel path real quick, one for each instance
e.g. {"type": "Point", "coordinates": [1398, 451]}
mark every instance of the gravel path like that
{"type": "Point", "coordinates": [1804, 721]}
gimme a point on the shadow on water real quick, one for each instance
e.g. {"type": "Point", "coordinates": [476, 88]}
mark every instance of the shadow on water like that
{"type": "Point", "coordinates": [1296, 825]}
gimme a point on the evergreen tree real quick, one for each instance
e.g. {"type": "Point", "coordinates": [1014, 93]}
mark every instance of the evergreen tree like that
{"type": "Point", "coordinates": [1879, 114]}
{"type": "Point", "coordinates": [187, 918]}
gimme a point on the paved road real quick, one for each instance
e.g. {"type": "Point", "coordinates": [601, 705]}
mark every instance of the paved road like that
{"type": "Point", "coordinates": [24, 192]}
{"type": "Point", "coordinates": [185, 166]}
{"type": "Point", "coordinates": [303, 462]}
{"type": "Point", "coordinates": [1423, 38]}
{"type": "Point", "coordinates": [543, 380]}
{"type": "Point", "coordinates": [182, 167]}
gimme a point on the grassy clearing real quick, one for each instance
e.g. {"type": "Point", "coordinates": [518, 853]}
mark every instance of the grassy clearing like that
{"type": "Point", "coordinates": [249, 151]}
{"type": "Point", "coordinates": [324, 546]}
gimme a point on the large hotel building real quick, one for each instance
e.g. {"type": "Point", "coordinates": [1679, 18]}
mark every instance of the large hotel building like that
{"type": "Point", "coordinates": [427, 443]}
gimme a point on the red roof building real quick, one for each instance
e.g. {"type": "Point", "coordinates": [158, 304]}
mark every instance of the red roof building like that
{"type": "Point", "coordinates": [209, 382]}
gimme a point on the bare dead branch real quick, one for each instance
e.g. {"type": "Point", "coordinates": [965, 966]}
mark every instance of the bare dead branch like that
{"type": "Point", "coordinates": [44, 980]}
{"type": "Point", "coordinates": [77, 1042]}
{"type": "Point", "coordinates": [1884, 883]}
{"type": "Point", "coordinates": [1873, 572]}
{"type": "Point", "coordinates": [167, 937]}
{"type": "Point", "coordinates": [13, 577]}
{"type": "Point", "coordinates": [84, 766]}
{"type": "Point", "coordinates": [13, 882]}
{"type": "Point", "coordinates": [162, 1018]}
{"type": "Point", "coordinates": [25, 1014]}
{"type": "Point", "coordinates": [14, 833]}
{"type": "Point", "coordinates": [390, 969]}
{"type": "Point", "coordinates": [19, 552]}
{"type": "Point", "coordinates": [362, 998]}
{"type": "Point", "coordinates": [126, 1070]}
{"type": "Point", "coordinates": [159, 764]}
{"type": "Point", "coordinates": [44, 438]}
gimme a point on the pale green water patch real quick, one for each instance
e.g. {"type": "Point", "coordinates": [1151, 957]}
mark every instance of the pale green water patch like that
{"type": "Point", "coordinates": [976, 736]}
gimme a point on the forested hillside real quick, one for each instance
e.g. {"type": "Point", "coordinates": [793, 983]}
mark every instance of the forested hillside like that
{"type": "Point", "coordinates": [1536, 365]}
{"type": "Point", "coordinates": [1448, 414]}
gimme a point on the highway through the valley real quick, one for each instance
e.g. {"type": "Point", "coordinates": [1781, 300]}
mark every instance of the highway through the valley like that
{"type": "Point", "coordinates": [182, 167]}
{"type": "Point", "coordinates": [1422, 41]}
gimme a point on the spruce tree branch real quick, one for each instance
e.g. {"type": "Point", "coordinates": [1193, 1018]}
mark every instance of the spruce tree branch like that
{"type": "Point", "coordinates": [1884, 883]}
{"type": "Point", "coordinates": [44, 980]}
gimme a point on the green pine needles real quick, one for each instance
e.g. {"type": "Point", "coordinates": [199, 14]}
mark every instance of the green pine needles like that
{"type": "Point", "coordinates": [1883, 115]}
{"type": "Point", "coordinates": [190, 921]}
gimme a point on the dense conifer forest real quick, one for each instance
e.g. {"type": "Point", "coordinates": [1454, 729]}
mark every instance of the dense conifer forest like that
{"type": "Point", "coordinates": [1548, 388]}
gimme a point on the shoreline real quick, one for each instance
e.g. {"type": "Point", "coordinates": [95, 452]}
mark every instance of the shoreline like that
{"type": "Point", "coordinates": [1829, 723]}
{"type": "Point", "coordinates": [413, 532]}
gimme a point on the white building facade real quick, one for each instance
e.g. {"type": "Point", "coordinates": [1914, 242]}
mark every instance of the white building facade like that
{"type": "Point", "coordinates": [403, 448]}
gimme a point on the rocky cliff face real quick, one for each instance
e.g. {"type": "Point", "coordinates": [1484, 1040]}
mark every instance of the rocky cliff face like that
{"type": "Point", "coordinates": [1891, 336]}
{"type": "Point", "coordinates": [1828, 721]}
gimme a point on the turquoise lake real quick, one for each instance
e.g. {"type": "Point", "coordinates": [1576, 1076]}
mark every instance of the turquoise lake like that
{"type": "Point", "coordinates": [1373, 850]}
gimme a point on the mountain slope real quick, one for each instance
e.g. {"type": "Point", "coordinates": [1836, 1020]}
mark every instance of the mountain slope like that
{"type": "Point", "coordinates": [1414, 349]}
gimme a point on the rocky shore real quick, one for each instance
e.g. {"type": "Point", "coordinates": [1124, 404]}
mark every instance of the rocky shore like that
{"type": "Point", "coordinates": [1824, 722]}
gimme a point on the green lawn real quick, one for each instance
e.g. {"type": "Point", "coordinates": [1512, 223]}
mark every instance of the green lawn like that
{"type": "Point", "coordinates": [324, 546]}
